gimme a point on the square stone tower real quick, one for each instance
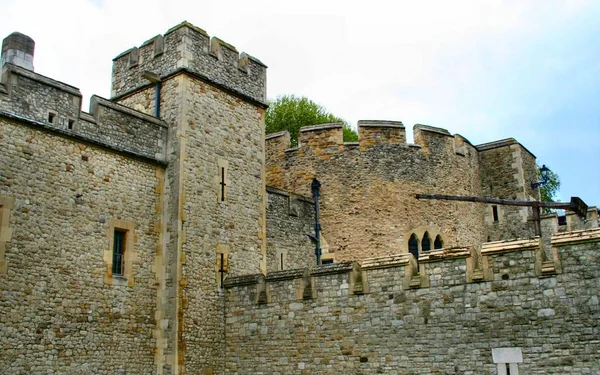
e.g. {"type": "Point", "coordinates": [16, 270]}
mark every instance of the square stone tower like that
{"type": "Point", "coordinates": [213, 190]}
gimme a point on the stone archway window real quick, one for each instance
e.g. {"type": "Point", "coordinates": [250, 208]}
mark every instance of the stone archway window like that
{"type": "Point", "coordinates": [413, 245]}
{"type": "Point", "coordinates": [438, 243]}
{"type": "Point", "coordinates": [426, 242]}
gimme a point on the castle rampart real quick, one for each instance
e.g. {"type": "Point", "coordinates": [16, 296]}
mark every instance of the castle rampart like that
{"type": "Point", "coordinates": [55, 106]}
{"type": "Point", "coordinates": [290, 219]}
{"type": "Point", "coordinates": [186, 47]}
{"type": "Point", "coordinates": [366, 318]}
{"type": "Point", "coordinates": [368, 188]}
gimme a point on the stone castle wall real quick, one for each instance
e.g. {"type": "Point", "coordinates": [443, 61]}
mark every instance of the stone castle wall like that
{"type": "Point", "coordinates": [368, 203]}
{"type": "Point", "coordinates": [290, 219]}
{"type": "Point", "coordinates": [380, 317]}
{"type": "Point", "coordinates": [200, 171]}
{"type": "Point", "coordinates": [60, 308]}
{"type": "Point", "coordinates": [187, 47]}
{"type": "Point", "coordinates": [36, 98]}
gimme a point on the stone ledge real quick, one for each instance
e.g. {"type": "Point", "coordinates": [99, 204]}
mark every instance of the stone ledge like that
{"type": "Point", "coordinates": [327, 269]}
{"type": "Point", "coordinates": [498, 247]}
{"type": "Point", "coordinates": [380, 124]}
{"type": "Point", "coordinates": [276, 134]}
{"type": "Point", "coordinates": [330, 125]}
{"type": "Point", "coordinates": [43, 79]}
{"type": "Point", "coordinates": [273, 190]}
{"type": "Point", "coordinates": [385, 262]}
{"type": "Point", "coordinates": [575, 237]}
{"type": "Point", "coordinates": [242, 280]}
{"type": "Point", "coordinates": [432, 129]}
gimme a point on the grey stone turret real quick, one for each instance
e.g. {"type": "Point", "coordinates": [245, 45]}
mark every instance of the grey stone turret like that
{"type": "Point", "coordinates": [18, 49]}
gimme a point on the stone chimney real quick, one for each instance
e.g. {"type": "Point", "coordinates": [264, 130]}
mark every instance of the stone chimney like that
{"type": "Point", "coordinates": [18, 49]}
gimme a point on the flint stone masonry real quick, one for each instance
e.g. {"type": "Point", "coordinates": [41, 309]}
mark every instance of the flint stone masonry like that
{"type": "Point", "coordinates": [450, 327]}
{"type": "Point", "coordinates": [187, 47]}
{"type": "Point", "coordinates": [33, 97]}
{"type": "Point", "coordinates": [368, 205]}
{"type": "Point", "coordinates": [57, 314]}
{"type": "Point", "coordinates": [290, 218]}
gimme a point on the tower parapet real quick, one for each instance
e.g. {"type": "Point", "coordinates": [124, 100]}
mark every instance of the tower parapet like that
{"type": "Point", "coordinates": [186, 47]}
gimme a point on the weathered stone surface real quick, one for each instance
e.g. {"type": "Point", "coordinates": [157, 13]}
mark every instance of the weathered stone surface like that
{"type": "Point", "coordinates": [449, 328]}
{"type": "Point", "coordinates": [56, 311]}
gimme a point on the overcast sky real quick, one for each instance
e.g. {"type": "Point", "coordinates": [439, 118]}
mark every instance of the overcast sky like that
{"type": "Point", "coordinates": [485, 69]}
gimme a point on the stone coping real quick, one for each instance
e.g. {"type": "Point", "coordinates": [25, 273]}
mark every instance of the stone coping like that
{"type": "Point", "coordinates": [500, 143]}
{"type": "Point", "coordinates": [243, 280]}
{"type": "Point", "coordinates": [276, 134]}
{"type": "Point", "coordinates": [497, 247]}
{"type": "Point", "coordinates": [432, 129]}
{"type": "Point", "coordinates": [443, 254]}
{"type": "Point", "coordinates": [97, 100]}
{"type": "Point", "coordinates": [330, 125]}
{"type": "Point", "coordinates": [43, 79]}
{"type": "Point", "coordinates": [385, 261]}
{"type": "Point", "coordinates": [380, 124]}
{"type": "Point", "coordinates": [272, 190]}
{"type": "Point", "coordinates": [285, 275]}
{"type": "Point", "coordinates": [579, 236]}
{"type": "Point", "coordinates": [326, 269]}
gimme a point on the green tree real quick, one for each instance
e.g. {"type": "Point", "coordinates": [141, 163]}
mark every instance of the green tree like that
{"type": "Point", "coordinates": [289, 112]}
{"type": "Point", "coordinates": [551, 187]}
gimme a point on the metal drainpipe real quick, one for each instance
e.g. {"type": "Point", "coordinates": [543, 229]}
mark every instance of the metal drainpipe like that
{"type": "Point", "coordinates": [157, 102]}
{"type": "Point", "coordinates": [316, 189]}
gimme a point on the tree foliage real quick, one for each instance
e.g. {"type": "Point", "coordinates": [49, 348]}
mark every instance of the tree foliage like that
{"type": "Point", "coordinates": [548, 191]}
{"type": "Point", "coordinates": [290, 113]}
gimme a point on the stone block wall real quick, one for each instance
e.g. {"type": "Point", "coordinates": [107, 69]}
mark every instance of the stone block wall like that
{"type": "Point", "coordinates": [58, 311]}
{"type": "Point", "coordinates": [290, 219]}
{"type": "Point", "coordinates": [448, 327]}
{"type": "Point", "coordinates": [368, 203]}
{"type": "Point", "coordinates": [57, 106]}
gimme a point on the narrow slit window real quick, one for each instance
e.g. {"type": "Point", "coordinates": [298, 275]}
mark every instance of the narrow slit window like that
{"type": "Point", "coordinates": [71, 124]}
{"type": "Point", "coordinates": [51, 117]}
{"type": "Point", "coordinates": [426, 242]}
{"type": "Point", "coordinates": [223, 184]}
{"type": "Point", "coordinates": [281, 260]}
{"type": "Point", "coordinates": [438, 243]}
{"type": "Point", "coordinates": [495, 213]}
{"type": "Point", "coordinates": [118, 265]}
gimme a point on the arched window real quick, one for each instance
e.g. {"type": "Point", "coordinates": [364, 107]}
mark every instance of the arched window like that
{"type": "Point", "coordinates": [438, 243]}
{"type": "Point", "coordinates": [413, 246]}
{"type": "Point", "coordinates": [426, 242]}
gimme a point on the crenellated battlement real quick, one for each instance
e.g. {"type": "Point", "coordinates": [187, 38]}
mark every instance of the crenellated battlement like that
{"type": "Point", "coordinates": [326, 140]}
{"type": "Point", "coordinates": [500, 260]}
{"type": "Point", "coordinates": [55, 106]}
{"type": "Point", "coordinates": [186, 47]}
{"type": "Point", "coordinates": [376, 313]}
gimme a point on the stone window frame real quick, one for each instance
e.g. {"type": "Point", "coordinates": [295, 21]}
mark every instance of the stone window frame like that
{"type": "Point", "coordinates": [6, 205]}
{"type": "Point", "coordinates": [419, 233]}
{"type": "Point", "coordinates": [52, 117]}
{"type": "Point", "coordinates": [222, 176]}
{"type": "Point", "coordinates": [126, 279]}
{"type": "Point", "coordinates": [221, 249]}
